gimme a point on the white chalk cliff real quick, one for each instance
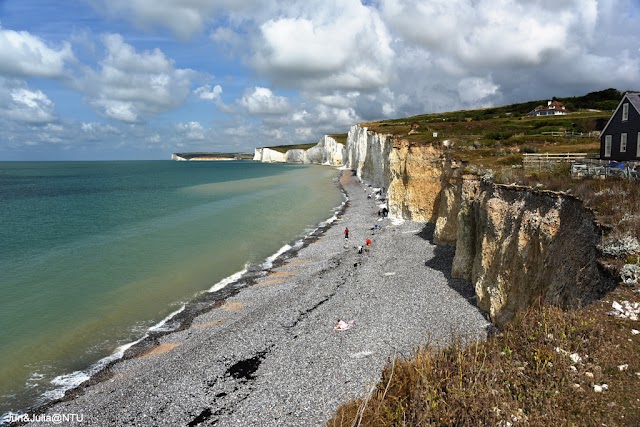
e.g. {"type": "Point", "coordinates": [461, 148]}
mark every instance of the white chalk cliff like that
{"type": "Point", "coordinates": [326, 152]}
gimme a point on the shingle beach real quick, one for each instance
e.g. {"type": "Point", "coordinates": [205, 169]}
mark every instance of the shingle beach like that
{"type": "Point", "coordinates": [268, 354]}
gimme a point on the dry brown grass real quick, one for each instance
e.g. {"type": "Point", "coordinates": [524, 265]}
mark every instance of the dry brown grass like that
{"type": "Point", "coordinates": [616, 201]}
{"type": "Point", "coordinates": [524, 375]}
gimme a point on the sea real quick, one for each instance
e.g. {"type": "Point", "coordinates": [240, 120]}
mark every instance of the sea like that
{"type": "Point", "coordinates": [94, 255]}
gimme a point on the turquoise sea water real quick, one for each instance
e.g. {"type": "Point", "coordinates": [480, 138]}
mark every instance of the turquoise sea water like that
{"type": "Point", "coordinates": [92, 254]}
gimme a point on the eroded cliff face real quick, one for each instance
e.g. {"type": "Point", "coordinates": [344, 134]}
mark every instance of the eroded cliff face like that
{"type": "Point", "coordinates": [410, 174]}
{"type": "Point", "coordinates": [515, 245]}
{"type": "Point", "coordinates": [327, 152]}
{"type": "Point", "coordinates": [415, 183]}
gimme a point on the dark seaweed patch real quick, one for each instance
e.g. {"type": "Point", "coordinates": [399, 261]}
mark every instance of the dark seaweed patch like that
{"type": "Point", "coordinates": [204, 416]}
{"type": "Point", "coordinates": [244, 370]}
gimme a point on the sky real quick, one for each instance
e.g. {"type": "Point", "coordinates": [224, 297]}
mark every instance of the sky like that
{"type": "Point", "coordinates": [140, 79]}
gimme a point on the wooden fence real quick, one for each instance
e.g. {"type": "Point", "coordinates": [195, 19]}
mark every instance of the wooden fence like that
{"type": "Point", "coordinates": [549, 161]}
{"type": "Point", "coordinates": [594, 134]}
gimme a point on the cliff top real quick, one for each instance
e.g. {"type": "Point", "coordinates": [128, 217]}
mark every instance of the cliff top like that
{"type": "Point", "coordinates": [501, 139]}
{"type": "Point", "coordinates": [340, 138]}
{"type": "Point", "coordinates": [498, 136]}
{"type": "Point", "coordinates": [285, 148]}
{"type": "Point", "coordinates": [211, 155]}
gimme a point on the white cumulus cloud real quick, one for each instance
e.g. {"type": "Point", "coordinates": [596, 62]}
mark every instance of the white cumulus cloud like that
{"type": "Point", "coordinates": [25, 55]}
{"type": "Point", "coordinates": [20, 103]}
{"type": "Point", "coordinates": [192, 130]}
{"type": "Point", "coordinates": [325, 44]}
{"type": "Point", "coordinates": [263, 101]}
{"type": "Point", "coordinates": [130, 85]}
{"type": "Point", "coordinates": [184, 18]}
{"type": "Point", "coordinates": [208, 93]}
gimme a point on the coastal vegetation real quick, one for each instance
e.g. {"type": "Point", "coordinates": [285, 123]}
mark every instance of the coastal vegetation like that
{"type": "Point", "coordinates": [340, 138]}
{"type": "Point", "coordinates": [548, 366]}
{"type": "Point", "coordinates": [213, 156]}
{"type": "Point", "coordinates": [498, 137]}
{"type": "Point", "coordinates": [285, 148]}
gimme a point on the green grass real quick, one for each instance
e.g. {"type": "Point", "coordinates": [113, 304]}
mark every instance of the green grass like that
{"type": "Point", "coordinates": [195, 155]}
{"type": "Point", "coordinates": [285, 148]}
{"type": "Point", "coordinates": [339, 137]}
{"type": "Point", "coordinates": [484, 143]}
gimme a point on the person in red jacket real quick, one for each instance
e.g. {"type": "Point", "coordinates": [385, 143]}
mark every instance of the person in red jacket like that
{"type": "Point", "coordinates": [346, 233]}
{"type": "Point", "coordinates": [368, 243]}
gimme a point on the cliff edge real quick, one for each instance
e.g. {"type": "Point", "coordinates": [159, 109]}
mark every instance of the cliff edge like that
{"type": "Point", "coordinates": [516, 245]}
{"type": "Point", "coordinates": [326, 152]}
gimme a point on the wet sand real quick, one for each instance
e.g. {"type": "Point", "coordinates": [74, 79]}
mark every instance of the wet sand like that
{"type": "Point", "coordinates": [268, 354]}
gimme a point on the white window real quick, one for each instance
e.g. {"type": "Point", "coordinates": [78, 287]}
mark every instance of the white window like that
{"type": "Point", "coordinates": [625, 112]}
{"type": "Point", "coordinates": [607, 146]}
{"type": "Point", "coordinates": [623, 143]}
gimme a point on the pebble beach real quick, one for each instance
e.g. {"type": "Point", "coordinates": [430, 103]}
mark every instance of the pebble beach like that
{"type": "Point", "coordinates": [266, 351]}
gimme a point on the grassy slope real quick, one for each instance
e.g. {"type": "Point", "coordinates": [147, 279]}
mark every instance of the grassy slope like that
{"type": "Point", "coordinates": [196, 155]}
{"type": "Point", "coordinates": [285, 148]}
{"type": "Point", "coordinates": [487, 141]}
{"type": "Point", "coordinates": [524, 374]}
{"type": "Point", "coordinates": [339, 137]}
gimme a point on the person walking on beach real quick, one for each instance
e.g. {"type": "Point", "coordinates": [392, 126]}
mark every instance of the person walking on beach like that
{"type": "Point", "coordinates": [368, 243]}
{"type": "Point", "coordinates": [346, 233]}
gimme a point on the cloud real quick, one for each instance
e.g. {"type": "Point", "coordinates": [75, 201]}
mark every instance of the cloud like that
{"type": "Point", "coordinates": [25, 55]}
{"type": "Point", "coordinates": [153, 139]}
{"type": "Point", "coordinates": [454, 54]}
{"type": "Point", "coordinates": [227, 38]}
{"type": "Point", "coordinates": [262, 101]}
{"type": "Point", "coordinates": [192, 131]}
{"type": "Point", "coordinates": [184, 18]}
{"type": "Point", "coordinates": [325, 45]}
{"type": "Point", "coordinates": [209, 94]}
{"type": "Point", "coordinates": [492, 32]}
{"type": "Point", "coordinates": [22, 104]}
{"type": "Point", "coordinates": [131, 85]}
{"type": "Point", "coordinates": [475, 90]}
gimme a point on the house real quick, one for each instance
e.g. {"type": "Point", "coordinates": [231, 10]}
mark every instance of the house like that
{"type": "Point", "coordinates": [553, 108]}
{"type": "Point", "coordinates": [620, 138]}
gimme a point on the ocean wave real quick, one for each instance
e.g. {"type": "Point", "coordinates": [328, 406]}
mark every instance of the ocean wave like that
{"type": "Point", "coordinates": [268, 263]}
{"type": "Point", "coordinates": [228, 280]}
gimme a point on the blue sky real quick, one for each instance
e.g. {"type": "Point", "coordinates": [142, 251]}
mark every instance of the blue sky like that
{"type": "Point", "coordinates": [140, 79]}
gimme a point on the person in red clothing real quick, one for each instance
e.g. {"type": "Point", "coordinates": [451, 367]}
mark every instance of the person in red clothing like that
{"type": "Point", "coordinates": [346, 233]}
{"type": "Point", "coordinates": [368, 243]}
